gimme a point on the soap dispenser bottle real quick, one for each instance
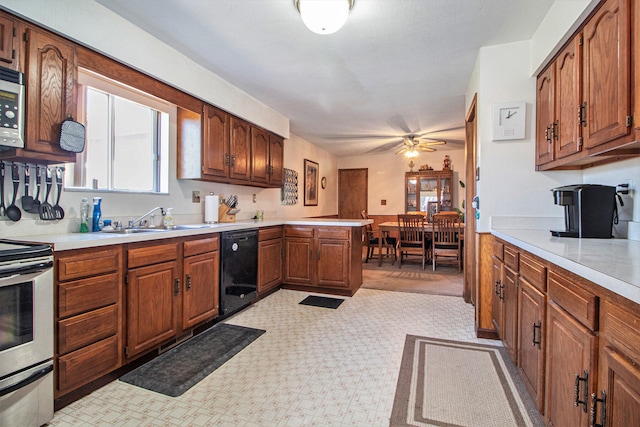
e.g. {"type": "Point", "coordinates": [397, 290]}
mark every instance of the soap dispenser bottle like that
{"type": "Point", "coordinates": [84, 215]}
{"type": "Point", "coordinates": [168, 218]}
{"type": "Point", "coordinates": [97, 214]}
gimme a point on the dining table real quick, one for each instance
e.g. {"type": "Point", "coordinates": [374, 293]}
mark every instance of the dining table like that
{"type": "Point", "coordinates": [393, 226]}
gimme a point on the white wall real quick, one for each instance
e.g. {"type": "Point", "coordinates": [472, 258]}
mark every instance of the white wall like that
{"type": "Point", "coordinates": [386, 176]}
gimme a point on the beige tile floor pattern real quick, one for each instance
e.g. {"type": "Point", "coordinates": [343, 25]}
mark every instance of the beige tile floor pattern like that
{"type": "Point", "coordinates": [313, 367]}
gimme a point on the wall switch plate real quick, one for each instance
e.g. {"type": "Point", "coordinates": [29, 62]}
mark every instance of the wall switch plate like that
{"type": "Point", "coordinates": [383, 202]}
{"type": "Point", "coordinates": [254, 198]}
{"type": "Point", "coordinates": [195, 196]}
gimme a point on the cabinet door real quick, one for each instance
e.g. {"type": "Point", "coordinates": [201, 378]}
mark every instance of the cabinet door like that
{"type": "Point", "coordinates": [201, 288]}
{"type": "Point", "coordinates": [276, 161]}
{"type": "Point", "coordinates": [215, 148]}
{"type": "Point", "coordinates": [510, 318]}
{"type": "Point", "coordinates": [566, 131]}
{"type": "Point", "coordinates": [8, 29]}
{"type": "Point", "coordinates": [152, 293]}
{"type": "Point", "coordinates": [240, 150]}
{"type": "Point", "coordinates": [606, 85]}
{"type": "Point", "coordinates": [497, 299]}
{"type": "Point", "coordinates": [571, 362]}
{"type": "Point", "coordinates": [259, 155]}
{"type": "Point", "coordinates": [269, 264]}
{"type": "Point", "coordinates": [299, 256]}
{"type": "Point", "coordinates": [51, 92]}
{"type": "Point", "coordinates": [621, 390]}
{"type": "Point", "coordinates": [333, 263]}
{"type": "Point", "coordinates": [531, 340]}
{"type": "Point", "coordinates": [545, 115]}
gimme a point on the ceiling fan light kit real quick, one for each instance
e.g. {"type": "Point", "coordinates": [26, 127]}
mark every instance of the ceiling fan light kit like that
{"type": "Point", "coordinates": [324, 16]}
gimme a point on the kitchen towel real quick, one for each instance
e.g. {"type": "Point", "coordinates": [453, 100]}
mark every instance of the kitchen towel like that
{"type": "Point", "coordinates": [211, 203]}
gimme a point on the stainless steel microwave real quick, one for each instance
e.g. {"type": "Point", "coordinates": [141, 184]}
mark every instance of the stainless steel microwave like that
{"type": "Point", "coordinates": [11, 109]}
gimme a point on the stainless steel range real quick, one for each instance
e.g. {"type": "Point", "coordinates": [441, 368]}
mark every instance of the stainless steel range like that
{"type": "Point", "coordinates": [26, 334]}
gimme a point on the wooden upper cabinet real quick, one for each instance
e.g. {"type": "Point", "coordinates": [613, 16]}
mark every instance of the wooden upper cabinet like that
{"type": "Point", "coordinates": [51, 90]}
{"type": "Point", "coordinates": [240, 150]}
{"type": "Point", "coordinates": [8, 51]}
{"type": "Point", "coordinates": [276, 160]}
{"type": "Point", "coordinates": [607, 74]}
{"type": "Point", "coordinates": [259, 155]}
{"type": "Point", "coordinates": [568, 76]}
{"type": "Point", "coordinates": [215, 147]}
{"type": "Point", "coordinates": [545, 115]}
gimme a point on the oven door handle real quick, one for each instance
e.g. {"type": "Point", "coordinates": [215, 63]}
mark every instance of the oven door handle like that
{"type": "Point", "coordinates": [27, 269]}
{"type": "Point", "coordinates": [25, 382]}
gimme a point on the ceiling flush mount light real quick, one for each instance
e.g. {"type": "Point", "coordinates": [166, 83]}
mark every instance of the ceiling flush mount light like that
{"type": "Point", "coordinates": [324, 16]}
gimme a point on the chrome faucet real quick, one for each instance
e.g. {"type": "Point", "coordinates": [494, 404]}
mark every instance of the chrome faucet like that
{"type": "Point", "coordinates": [138, 221]}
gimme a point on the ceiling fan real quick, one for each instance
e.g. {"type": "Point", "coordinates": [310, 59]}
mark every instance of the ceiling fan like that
{"type": "Point", "coordinates": [413, 144]}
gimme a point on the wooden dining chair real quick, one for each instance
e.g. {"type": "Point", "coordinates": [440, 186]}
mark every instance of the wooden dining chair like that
{"type": "Point", "coordinates": [378, 240]}
{"type": "Point", "coordinates": [413, 240]}
{"type": "Point", "coordinates": [446, 245]}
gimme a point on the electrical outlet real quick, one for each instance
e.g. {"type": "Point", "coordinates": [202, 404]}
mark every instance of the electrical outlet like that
{"type": "Point", "coordinates": [195, 196]}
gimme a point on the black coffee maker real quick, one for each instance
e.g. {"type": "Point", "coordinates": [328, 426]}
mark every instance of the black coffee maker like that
{"type": "Point", "coordinates": [589, 210]}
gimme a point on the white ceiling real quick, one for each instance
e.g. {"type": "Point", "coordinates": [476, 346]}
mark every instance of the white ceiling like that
{"type": "Point", "coordinates": [396, 67]}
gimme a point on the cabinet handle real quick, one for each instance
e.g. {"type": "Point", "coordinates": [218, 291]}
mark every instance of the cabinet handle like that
{"type": "Point", "coordinates": [188, 284]}
{"type": "Point", "coordinates": [176, 286]}
{"type": "Point", "coordinates": [554, 130]}
{"type": "Point", "coordinates": [497, 287]}
{"type": "Point", "coordinates": [585, 393]}
{"type": "Point", "coordinates": [233, 160]}
{"type": "Point", "coordinates": [537, 326]}
{"type": "Point", "coordinates": [226, 159]}
{"type": "Point", "coordinates": [547, 131]}
{"type": "Point", "coordinates": [501, 292]}
{"type": "Point", "coordinates": [582, 114]}
{"type": "Point", "coordinates": [594, 408]}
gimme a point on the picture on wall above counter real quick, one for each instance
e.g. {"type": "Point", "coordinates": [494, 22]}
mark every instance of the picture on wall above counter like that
{"type": "Point", "coordinates": [290, 187]}
{"type": "Point", "coordinates": [310, 183]}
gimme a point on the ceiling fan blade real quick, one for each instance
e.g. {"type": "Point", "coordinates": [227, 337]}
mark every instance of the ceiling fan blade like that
{"type": "Point", "coordinates": [434, 142]}
{"type": "Point", "coordinates": [427, 149]}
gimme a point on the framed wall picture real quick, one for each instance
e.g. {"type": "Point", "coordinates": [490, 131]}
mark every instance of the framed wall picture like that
{"type": "Point", "coordinates": [310, 183]}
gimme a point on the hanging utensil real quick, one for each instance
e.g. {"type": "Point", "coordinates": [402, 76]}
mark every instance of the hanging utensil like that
{"type": "Point", "coordinates": [46, 210]}
{"type": "Point", "coordinates": [57, 209]}
{"type": "Point", "coordinates": [13, 211]}
{"type": "Point", "coordinates": [27, 200]}
{"type": "Point", "coordinates": [3, 209]}
{"type": "Point", "coordinates": [35, 205]}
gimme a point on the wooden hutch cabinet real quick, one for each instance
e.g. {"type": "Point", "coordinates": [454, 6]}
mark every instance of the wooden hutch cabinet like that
{"type": "Point", "coordinates": [424, 187]}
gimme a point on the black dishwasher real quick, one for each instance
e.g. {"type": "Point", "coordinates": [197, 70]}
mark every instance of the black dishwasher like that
{"type": "Point", "coordinates": [239, 270]}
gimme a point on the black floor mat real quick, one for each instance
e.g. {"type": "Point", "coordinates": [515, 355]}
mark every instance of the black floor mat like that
{"type": "Point", "coordinates": [325, 302]}
{"type": "Point", "coordinates": [180, 368]}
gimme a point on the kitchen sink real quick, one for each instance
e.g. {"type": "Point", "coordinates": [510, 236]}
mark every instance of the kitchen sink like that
{"type": "Point", "coordinates": [135, 230]}
{"type": "Point", "coordinates": [189, 227]}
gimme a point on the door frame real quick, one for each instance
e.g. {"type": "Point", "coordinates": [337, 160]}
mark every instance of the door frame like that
{"type": "Point", "coordinates": [471, 272]}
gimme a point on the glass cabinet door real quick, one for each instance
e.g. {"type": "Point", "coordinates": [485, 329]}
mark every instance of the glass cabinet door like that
{"type": "Point", "coordinates": [411, 195]}
{"type": "Point", "coordinates": [428, 192]}
{"type": "Point", "coordinates": [445, 194]}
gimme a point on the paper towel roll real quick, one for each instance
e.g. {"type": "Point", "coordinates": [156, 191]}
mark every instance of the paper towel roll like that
{"type": "Point", "coordinates": [211, 203]}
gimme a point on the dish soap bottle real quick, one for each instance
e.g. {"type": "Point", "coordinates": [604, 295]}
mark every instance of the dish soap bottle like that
{"type": "Point", "coordinates": [168, 219]}
{"type": "Point", "coordinates": [84, 215]}
{"type": "Point", "coordinates": [97, 214]}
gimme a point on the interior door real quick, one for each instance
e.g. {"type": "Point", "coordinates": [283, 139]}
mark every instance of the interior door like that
{"type": "Point", "coordinates": [352, 192]}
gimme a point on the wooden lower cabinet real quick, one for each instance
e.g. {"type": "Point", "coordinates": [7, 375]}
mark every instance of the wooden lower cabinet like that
{"type": "Point", "coordinates": [201, 276]}
{"type": "Point", "coordinates": [510, 318]}
{"type": "Point", "coordinates": [270, 258]}
{"type": "Point", "coordinates": [89, 335]}
{"type": "Point", "coordinates": [571, 369]}
{"type": "Point", "coordinates": [497, 302]}
{"type": "Point", "coordinates": [321, 258]}
{"type": "Point", "coordinates": [532, 305]}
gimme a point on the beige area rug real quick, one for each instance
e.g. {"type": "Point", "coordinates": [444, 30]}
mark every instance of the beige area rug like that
{"type": "Point", "coordinates": [411, 278]}
{"type": "Point", "coordinates": [452, 383]}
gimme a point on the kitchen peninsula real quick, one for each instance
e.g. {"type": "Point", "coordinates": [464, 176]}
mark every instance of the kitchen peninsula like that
{"type": "Point", "coordinates": [106, 283]}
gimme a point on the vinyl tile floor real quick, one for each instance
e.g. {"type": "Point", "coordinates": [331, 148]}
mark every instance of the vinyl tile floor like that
{"type": "Point", "coordinates": [313, 367]}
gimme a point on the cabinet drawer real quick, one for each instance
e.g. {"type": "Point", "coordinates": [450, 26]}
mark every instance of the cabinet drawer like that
{"type": "Point", "coordinates": [84, 329]}
{"type": "Point", "coordinates": [87, 294]}
{"type": "Point", "coordinates": [621, 330]}
{"type": "Point", "coordinates": [580, 303]}
{"type": "Point", "coordinates": [269, 233]}
{"type": "Point", "coordinates": [201, 246]}
{"type": "Point", "coordinates": [85, 263]}
{"type": "Point", "coordinates": [511, 258]}
{"type": "Point", "coordinates": [152, 254]}
{"type": "Point", "coordinates": [85, 365]}
{"type": "Point", "coordinates": [302, 231]}
{"type": "Point", "coordinates": [341, 233]}
{"type": "Point", "coordinates": [498, 250]}
{"type": "Point", "coordinates": [534, 272]}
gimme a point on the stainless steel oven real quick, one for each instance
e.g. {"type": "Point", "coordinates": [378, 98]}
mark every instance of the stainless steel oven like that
{"type": "Point", "coordinates": [26, 334]}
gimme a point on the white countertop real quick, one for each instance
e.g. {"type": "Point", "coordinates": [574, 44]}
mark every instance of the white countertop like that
{"type": "Point", "coordinates": [613, 264]}
{"type": "Point", "coordinates": [67, 241]}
